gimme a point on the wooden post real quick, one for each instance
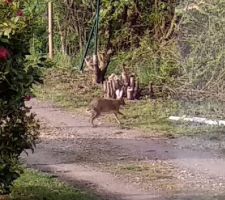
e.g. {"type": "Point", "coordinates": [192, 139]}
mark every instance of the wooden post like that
{"type": "Point", "coordinates": [50, 29]}
{"type": "Point", "coordinates": [105, 86]}
{"type": "Point", "coordinates": [136, 89]}
{"type": "Point", "coordinates": [108, 89]}
{"type": "Point", "coordinates": [125, 76]}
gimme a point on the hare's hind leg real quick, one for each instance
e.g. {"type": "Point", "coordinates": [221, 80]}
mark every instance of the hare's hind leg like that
{"type": "Point", "coordinates": [121, 113]}
{"type": "Point", "coordinates": [117, 119]}
{"type": "Point", "coordinates": [93, 117]}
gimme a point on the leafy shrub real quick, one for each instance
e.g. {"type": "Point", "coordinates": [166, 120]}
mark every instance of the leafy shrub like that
{"type": "Point", "coordinates": [18, 73]}
{"type": "Point", "coordinates": [152, 62]}
{"type": "Point", "coordinates": [202, 44]}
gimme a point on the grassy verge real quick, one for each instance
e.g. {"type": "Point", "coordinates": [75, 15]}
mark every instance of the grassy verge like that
{"type": "Point", "coordinates": [160, 176]}
{"type": "Point", "coordinates": [69, 89]}
{"type": "Point", "coordinates": [73, 91]}
{"type": "Point", "coordinates": [150, 115]}
{"type": "Point", "coordinates": [35, 186]}
{"type": "Point", "coordinates": [151, 176]}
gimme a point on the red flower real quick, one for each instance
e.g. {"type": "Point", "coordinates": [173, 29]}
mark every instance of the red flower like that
{"type": "Point", "coordinates": [8, 2]}
{"type": "Point", "coordinates": [27, 98]}
{"type": "Point", "coordinates": [4, 54]}
{"type": "Point", "coordinates": [20, 13]}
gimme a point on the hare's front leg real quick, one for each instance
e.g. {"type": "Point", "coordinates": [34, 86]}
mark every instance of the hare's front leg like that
{"type": "Point", "coordinates": [93, 117]}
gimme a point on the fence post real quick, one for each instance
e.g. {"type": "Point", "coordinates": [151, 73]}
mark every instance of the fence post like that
{"type": "Point", "coordinates": [50, 29]}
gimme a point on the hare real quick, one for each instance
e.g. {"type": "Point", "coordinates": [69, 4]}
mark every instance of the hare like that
{"type": "Point", "coordinates": [102, 105]}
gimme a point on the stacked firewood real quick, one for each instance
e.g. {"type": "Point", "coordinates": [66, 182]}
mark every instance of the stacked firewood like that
{"type": "Point", "coordinates": [126, 84]}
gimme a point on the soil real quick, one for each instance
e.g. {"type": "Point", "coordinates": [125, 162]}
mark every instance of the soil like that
{"type": "Point", "coordinates": [117, 163]}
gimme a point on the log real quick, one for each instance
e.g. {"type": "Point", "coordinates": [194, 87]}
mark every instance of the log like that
{"type": "Point", "coordinates": [113, 81]}
{"type": "Point", "coordinates": [151, 91]}
{"type": "Point", "coordinates": [125, 84]}
{"type": "Point", "coordinates": [136, 89]}
{"type": "Point", "coordinates": [132, 81]}
{"type": "Point", "coordinates": [105, 87]}
{"type": "Point", "coordinates": [130, 93]}
{"type": "Point", "coordinates": [117, 84]}
{"type": "Point", "coordinates": [112, 91]}
{"type": "Point", "coordinates": [108, 90]}
{"type": "Point", "coordinates": [125, 77]}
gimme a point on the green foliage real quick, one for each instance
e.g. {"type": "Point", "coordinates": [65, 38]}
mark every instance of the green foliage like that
{"type": "Point", "coordinates": [67, 88]}
{"type": "Point", "coordinates": [64, 61]}
{"type": "Point", "coordinates": [36, 186]}
{"type": "Point", "coordinates": [126, 22]}
{"type": "Point", "coordinates": [152, 62]}
{"type": "Point", "coordinates": [9, 171]}
{"type": "Point", "coordinates": [18, 73]}
{"type": "Point", "coordinates": [202, 44]}
{"type": "Point", "coordinates": [141, 33]}
{"type": "Point", "coordinates": [149, 115]}
{"type": "Point", "coordinates": [36, 10]}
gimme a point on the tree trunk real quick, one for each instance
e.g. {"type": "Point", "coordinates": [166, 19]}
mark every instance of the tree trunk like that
{"type": "Point", "coordinates": [99, 65]}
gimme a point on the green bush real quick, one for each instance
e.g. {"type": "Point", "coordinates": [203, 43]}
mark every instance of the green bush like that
{"type": "Point", "coordinates": [18, 73]}
{"type": "Point", "coordinates": [152, 62]}
{"type": "Point", "coordinates": [202, 46]}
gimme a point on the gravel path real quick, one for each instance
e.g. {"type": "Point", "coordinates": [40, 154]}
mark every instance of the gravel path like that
{"type": "Point", "coordinates": [120, 164]}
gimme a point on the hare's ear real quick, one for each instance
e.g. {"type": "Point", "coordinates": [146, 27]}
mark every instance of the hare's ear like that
{"type": "Point", "coordinates": [86, 60]}
{"type": "Point", "coordinates": [119, 93]}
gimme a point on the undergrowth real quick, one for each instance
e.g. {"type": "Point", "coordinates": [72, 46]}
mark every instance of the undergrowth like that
{"type": "Point", "coordinates": [67, 88]}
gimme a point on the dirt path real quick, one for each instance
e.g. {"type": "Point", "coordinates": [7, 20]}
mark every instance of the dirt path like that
{"type": "Point", "coordinates": [121, 164]}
